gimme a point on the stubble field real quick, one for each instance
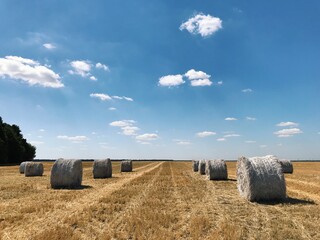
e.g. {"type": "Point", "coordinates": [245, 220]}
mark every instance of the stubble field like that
{"type": "Point", "coordinates": [158, 200]}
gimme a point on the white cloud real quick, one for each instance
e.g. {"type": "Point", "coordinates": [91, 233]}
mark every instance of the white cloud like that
{"type": "Point", "coordinates": [231, 119]}
{"type": "Point", "coordinates": [205, 134]}
{"type": "Point", "coordinates": [29, 71]}
{"type": "Point", "coordinates": [129, 130]}
{"type": "Point", "coordinates": [205, 25]}
{"type": "Point", "coordinates": [122, 123]}
{"type": "Point", "coordinates": [36, 142]}
{"type": "Point", "coordinates": [42, 130]}
{"type": "Point", "coordinates": [288, 132]}
{"type": "Point", "coordinates": [73, 139]}
{"type": "Point", "coordinates": [201, 82]}
{"type": "Point", "coordinates": [171, 80]}
{"type": "Point", "coordinates": [144, 143]}
{"type": "Point", "coordinates": [251, 118]}
{"type": "Point", "coordinates": [247, 90]}
{"type": "Point", "coordinates": [49, 46]}
{"type": "Point", "coordinates": [93, 78]}
{"type": "Point", "coordinates": [287, 124]}
{"type": "Point", "coordinates": [123, 98]}
{"type": "Point", "coordinates": [112, 108]}
{"type": "Point", "coordinates": [231, 135]}
{"type": "Point", "coordinates": [198, 78]}
{"type": "Point", "coordinates": [250, 141]}
{"type": "Point", "coordinates": [81, 68]}
{"type": "Point", "coordinates": [101, 96]}
{"type": "Point", "coordinates": [263, 146]}
{"type": "Point", "coordinates": [147, 137]}
{"type": "Point", "coordinates": [221, 139]}
{"type": "Point", "coordinates": [183, 142]}
{"type": "Point", "coordinates": [220, 83]}
{"type": "Point", "coordinates": [102, 66]}
{"type": "Point", "coordinates": [127, 127]}
{"type": "Point", "coordinates": [193, 74]}
{"type": "Point", "coordinates": [128, 99]}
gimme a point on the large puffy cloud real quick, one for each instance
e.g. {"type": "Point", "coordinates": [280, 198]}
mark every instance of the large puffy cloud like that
{"type": "Point", "coordinates": [205, 25]}
{"type": "Point", "coordinates": [193, 74]}
{"type": "Point", "coordinates": [171, 80]}
{"type": "Point", "coordinates": [198, 78]}
{"type": "Point", "coordinates": [29, 71]}
{"type": "Point", "coordinates": [205, 134]}
{"type": "Point", "coordinates": [288, 132]}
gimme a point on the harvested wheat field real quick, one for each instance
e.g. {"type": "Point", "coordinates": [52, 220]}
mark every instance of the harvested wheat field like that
{"type": "Point", "coordinates": [158, 200]}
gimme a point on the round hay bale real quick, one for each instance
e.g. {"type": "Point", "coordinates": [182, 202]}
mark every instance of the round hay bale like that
{"type": "Point", "coordinates": [195, 165]}
{"type": "Point", "coordinates": [33, 169]}
{"type": "Point", "coordinates": [22, 166]}
{"type": "Point", "coordinates": [260, 179]}
{"type": "Point", "coordinates": [66, 173]}
{"type": "Point", "coordinates": [102, 168]}
{"type": "Point", "coordinates": [216, 170]}
{"type": "Point", "coordinates": [286, 166]}
{"type": "Point", "coordinates": [202, 167]}
{"type": "Point", "coordinates": [126, 166]}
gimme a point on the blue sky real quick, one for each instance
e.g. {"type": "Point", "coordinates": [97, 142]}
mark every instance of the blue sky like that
{"type": "Point", "coordinates": [162, 79]}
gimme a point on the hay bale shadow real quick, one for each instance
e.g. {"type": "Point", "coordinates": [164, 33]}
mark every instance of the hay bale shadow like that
{"type": "Point", "coordinates": [288, 201]}
{"type": "Point", "coordinates": [82, 187]}
{"type": "Point", "coordinates": [231, 180]}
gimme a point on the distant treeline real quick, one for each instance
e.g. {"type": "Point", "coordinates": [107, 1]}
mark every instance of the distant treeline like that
{"type": "Point", "coordinates": [13, 147]}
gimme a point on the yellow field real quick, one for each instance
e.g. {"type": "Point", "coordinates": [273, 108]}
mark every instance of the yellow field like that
{"type": "Point", "coordinates": [158, 200]}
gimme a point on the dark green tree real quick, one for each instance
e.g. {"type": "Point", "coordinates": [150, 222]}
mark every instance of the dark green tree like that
{"type": "Point", "coordinates": [13, 147]}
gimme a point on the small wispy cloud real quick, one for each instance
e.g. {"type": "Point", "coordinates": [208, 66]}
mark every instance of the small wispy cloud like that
{"type": "Point", "coordinates": [127, 127]}
{"type": "Point", "coordinates": [287, 124]}
{"type": "Point", "coordinates": [231, 119]}
{"type": "Point", "coordinates": [49, 46]}
{"type": "Point", "coordinates": [101, 96]}
{"type": "Point", "coordinates": [250, 141]}
{"type": "Point", "coordinates": [147, 137]}
{"type": "Point", "coordinates": [251, 118]}
{"type": "Point", "coordinates": [181, 142]}
{"type": "Point", "coordinates": [112, 108]}
{"type": "Point", "coordinates": [36, 142]}
{"type": "Point", "coordinates": [288, 132]}
{"type": "Point", "coordinates": [247, 90]}
{"type": "Point", "coordinates": [205, 25]}
{"type": "Point", "coordinates": [263, 146]}
{"type": "Point", "coordinates": [220, 83]}
{"type": "Point", "coordinates": [205, 134]}
{"type": "Point", "coordinates": [231, 135]}
{"type": "Point", "coordinates": [81, 67]}
{"type": "Point", "coordinates": [221, 139]}
{"type": "Point", "coordinates": [106, 97]}
{"type": "Point", "coordinates": [102, 66]}
{"type": "Point", "coordinates": [74, 139]}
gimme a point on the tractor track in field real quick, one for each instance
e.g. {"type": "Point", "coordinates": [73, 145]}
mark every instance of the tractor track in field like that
{"type": "Point", "coordinates": [74, 207]}
{"type": "Point", "coordinates": [118, 219]}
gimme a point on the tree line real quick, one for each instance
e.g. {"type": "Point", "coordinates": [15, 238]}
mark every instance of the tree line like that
{"type": "Point", "coordinates": [13, 147]}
